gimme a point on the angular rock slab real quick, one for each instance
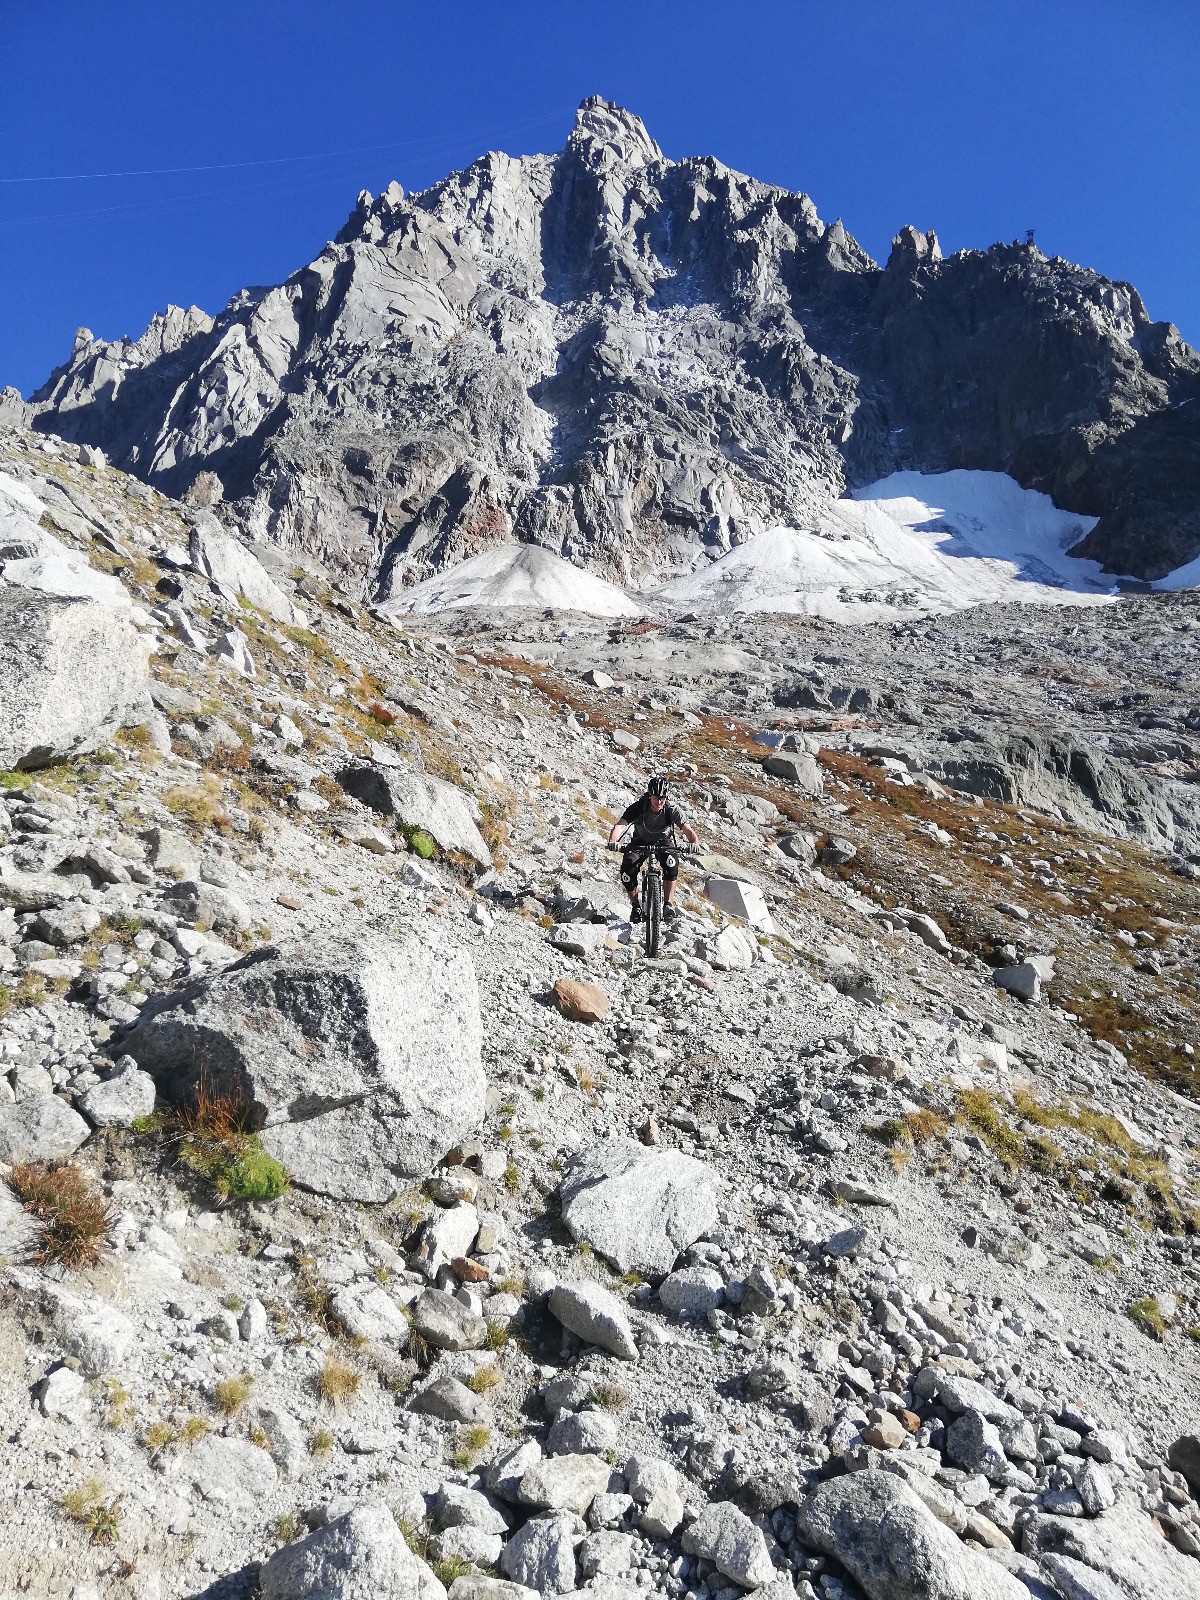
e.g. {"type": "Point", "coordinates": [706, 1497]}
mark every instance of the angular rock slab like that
{"type": "Point", "coordinates": [361, 1556]}
{"type": "Point", "coordinates": [800, 769]}
{"type": "Point", "coordinates": [640, 1208]}
{"type": "Point", "coordinates": [69, 671]}
{"type": "Point", "coordinates": [1123, 1547]}
{"type": "Point", "coordinates": [739, 899]}
{"type": "Point", "coordinates": [894, 1546]}
{"type": "Point", "coordinates": [726, 1536]}
{"type": "Point", "coordinates": [593, 1313]}
{"type": "Point", "coordinates": [448, 814]}
{"type": "Point", "coordinates": [358, 1058]}
{"type": "Point", "coordinates": [218, 556]}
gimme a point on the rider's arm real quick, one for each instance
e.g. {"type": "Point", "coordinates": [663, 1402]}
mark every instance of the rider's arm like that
{"type": "Point", "coordinates": [625, 820]}
{"type": "Point", "coordinates": [689, 833]}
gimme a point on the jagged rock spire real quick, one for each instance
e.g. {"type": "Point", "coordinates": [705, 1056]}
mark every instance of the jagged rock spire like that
{"type": "Point", "coordinates": [599, 122]}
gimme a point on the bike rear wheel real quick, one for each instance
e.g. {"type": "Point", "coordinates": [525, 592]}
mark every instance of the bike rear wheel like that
{"type": "Point", "coordinates": [653, 908]}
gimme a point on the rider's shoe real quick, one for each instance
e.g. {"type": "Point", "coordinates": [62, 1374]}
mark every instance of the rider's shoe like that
{"type": "Point", "coordinates": [635, 913]}
{"type": "Point", "coordinates": [669, 913]}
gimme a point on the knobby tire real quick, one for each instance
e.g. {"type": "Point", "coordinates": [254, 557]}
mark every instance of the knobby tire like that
{"type": "Point", "coordinates": [654, 890]}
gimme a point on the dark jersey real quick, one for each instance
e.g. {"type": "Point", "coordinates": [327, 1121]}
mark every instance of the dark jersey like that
{"type": "Point", "coordinates": [651, 827]}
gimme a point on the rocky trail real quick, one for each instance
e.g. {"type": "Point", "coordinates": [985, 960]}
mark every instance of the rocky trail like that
{"type": "Point", "coordinates": [378, 1221]}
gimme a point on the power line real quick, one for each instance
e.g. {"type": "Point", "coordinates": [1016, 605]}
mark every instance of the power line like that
{"type": "Point", "coordinates": [275, 161]}
{"type": "Point", "coordinates": [128, 207]}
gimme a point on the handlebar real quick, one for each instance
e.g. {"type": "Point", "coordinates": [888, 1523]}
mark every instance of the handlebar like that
{"type": "Point", "coordinates": [679, 849]}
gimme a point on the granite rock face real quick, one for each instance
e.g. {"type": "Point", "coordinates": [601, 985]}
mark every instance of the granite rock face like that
{"type": "Point", "coordinates": [637, 363]}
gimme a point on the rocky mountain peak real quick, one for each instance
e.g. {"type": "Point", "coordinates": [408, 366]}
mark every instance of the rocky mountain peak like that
{"type": "Point", "coordinates": [602, 126]}
{"type": "Point", "coordinates": [638, 364]}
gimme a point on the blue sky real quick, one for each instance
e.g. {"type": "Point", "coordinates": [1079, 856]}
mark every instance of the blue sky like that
{"type": "Point", "coordinates": [1076, 117]}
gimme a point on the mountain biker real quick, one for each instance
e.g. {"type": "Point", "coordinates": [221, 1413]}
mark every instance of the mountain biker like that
{"type": "Point", "coordinates": [654, 820]}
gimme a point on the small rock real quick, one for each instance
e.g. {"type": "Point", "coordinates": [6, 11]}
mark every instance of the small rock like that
{"type": "Point", "coordinates": [252, 1322]}
{"type": "Point", "coordinates": [973, 1443]}
{"type": "Point", "coordinates": [726, 1536]}
{"type": "Point", "coordinates": [580, 1002]}
{"type": "Point", "coordinates": [63, 1395]}
{"type": "Point", "coordinates": [447, 1397]}
{"type": "Point", "coordinates": [43, 1128]}
{"type": "Point", "coordinates": [565, 1483]}
{"type": "Point", "coordinates": [542, 1555]}
{"type": "Point", "coordinates": [846, 1244]}
{"type": "Point", "coordinates": [583, 1433]}
{"type": "Point", "coordinates": [118, 1100]}
{"type": "Point", "coordinates": [885, 1431]}
{"type": "Point", "coordinates": [446, 1323]}
{"type": "Point", "coordinates": [595, 1315]}
{"type": "Point", "coordinates": [692, 1292]}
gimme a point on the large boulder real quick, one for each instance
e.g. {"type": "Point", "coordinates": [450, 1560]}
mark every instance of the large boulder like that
{"type": "Point", "coordinates": [640, 1208]}
{"type": "Point", "coordinates": [358, 1057]}
{"type": "Point", "coordinates": [360, 1556]}
{"type": "Point", "coordinates": [895, 1547]}
{"type": "Point", "coordinates": [800, 769]}
{"type": "Point", "coordinates": [448, 814]}
{"type": "Point", "coordinates": [32, 558]}
{"type": "Point", "coordinates": [227, 563]}
{"type": "Point", "coordinates": [69, 671]}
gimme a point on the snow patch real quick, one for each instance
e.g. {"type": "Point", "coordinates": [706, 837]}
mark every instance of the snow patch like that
{"type": "Point", "coordinates": [514, 575]}
{"type": "Point", "coordinates": [1187, 577]}
{"type": "Point", "coordinates": [913, 542]}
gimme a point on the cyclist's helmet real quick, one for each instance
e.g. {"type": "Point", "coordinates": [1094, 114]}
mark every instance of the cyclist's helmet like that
{"type": "Point", "coordinates": [657, 787]}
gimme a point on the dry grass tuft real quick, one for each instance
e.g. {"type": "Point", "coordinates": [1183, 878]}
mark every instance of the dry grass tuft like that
{"type": "Point", "coordinates": [74, 1220]}
{"type": "Point", "coordinates": [338, 1381]}
{"type": "Point", "coordinates": [88, 1506]}
{"type": "Point", "coordinates": [231, 1394]}
{"type": "Point", "coordinates": [486, 1379]}
{"type": "Point", "coordinates": [472, 1442]}
{"type": "Point", "coordinates": [199, 805]}
{"type": "Point", "coordinates": [212, 1139]}
{"type": "Point", "coordinates": [1149, 1318]}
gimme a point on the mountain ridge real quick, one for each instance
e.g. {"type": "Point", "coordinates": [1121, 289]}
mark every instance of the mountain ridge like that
{"type": "Point", "coordinates": [637, 364]}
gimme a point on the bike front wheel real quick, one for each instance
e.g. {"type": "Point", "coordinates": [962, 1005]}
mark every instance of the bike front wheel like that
{"type": "Point", "coordinates": [654, 901]}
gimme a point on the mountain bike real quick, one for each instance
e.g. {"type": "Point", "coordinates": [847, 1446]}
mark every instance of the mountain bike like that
{"type": "Point", "coordinates": [651, 892]}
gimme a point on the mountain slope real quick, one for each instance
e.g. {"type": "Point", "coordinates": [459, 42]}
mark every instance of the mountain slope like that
{"type": "Point", "coordinates": [638, 364]}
